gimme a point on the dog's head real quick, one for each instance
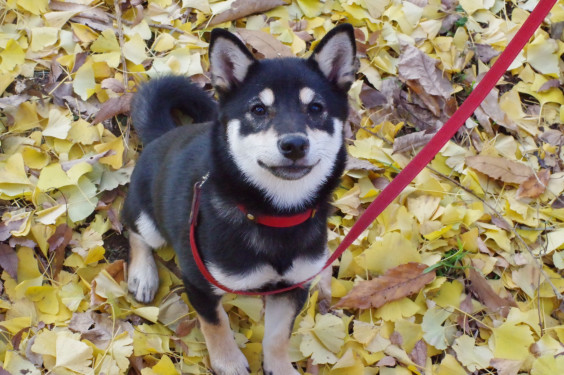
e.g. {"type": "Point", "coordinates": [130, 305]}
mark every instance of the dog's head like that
{"type": "Point", "coordinates": [284, 118]}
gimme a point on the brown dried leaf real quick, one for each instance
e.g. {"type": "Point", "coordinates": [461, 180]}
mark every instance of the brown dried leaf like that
{"type": "Point", "coordinates": [117, 270]}
{"type": "Point", "coordinates": [553, 137]}
{"type": "Point", "coordinates": [486, 52]}
{"type": "Point", "coordinates": [490, 106]}
{"type": "Point", "coordinates": [17, 338]}
{"type": "Point", "coordinates": [506, 366]}
{"type": "Point", "coordinates": [67, 165]}
{"type": "Point", "coordinates": [243, 8]}
{"type": "Point", "coordinates": [419, 353]}
{"type": "Point", "coordinates": [411, 141]}
{"type": "Point", "coordinates": [501, 223]}
{"type": "Point", "coordinates": [7, 228]}
{"type": "Point", "coordinates": [500, 168]}
{"type": "Point", "coordinates": [359, 164]}
{"type": "Point", "coordinates": [185, 327]}
{"type": "Point", "coordinates": [387, 361]}
{"type": "Point", "coordinates": [534, 186]}
{"type": "Point", "coordinates": [485, 293]}
{"type": "Point", "coordinates": [558, 202]}
{"type": "Point", "coordinates": [265, 44]}
{"type": "Point", "coordinates": [113, 107]}
{"type": "Point", "coordinates": [371, 97]}
{"type": "Point", "coordinates": [312, 368]}
{"type": "Point", "coordinates": [416, 65]}
{"type": "Point", "coordinates": [13, 101]}
{"type": "Point", "coordinates": [9, 260]}
{"type": "Point", "coordinates": [431, 102]}
{"type": "Point", "coordinates": [551, 83]}
{"type": "Point", "coordinates": [97, 328]}
{"type": "Point", "coordinates": [84, 10]}
{"type": "Point", "coordinates": [401, 281]}
{"type": "Point", "coordinates": [57, 245]}
{"type": "Point", "coordinates": [113, 84]}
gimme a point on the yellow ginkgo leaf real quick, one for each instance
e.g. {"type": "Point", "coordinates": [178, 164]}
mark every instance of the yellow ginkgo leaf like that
{"type": "Point", "coordinates": [15, 325]}
{"type": "Point", "coordinates": [84, 33]}
{"type": "Point", "coordinates": [71, 353]}
{"type": "Point", "coordinates": [165, 367]}
{"type": "Point", "coordinates": [511, 341]}
{"type": "Point", "coordinates": [84, 83]}
{"type": "Point", "coordinates": [106, 42]}
{"type": "Point", "coordinates": [310, 345]}
{"type": "Point", "coordinates": [12, 56]}
{"type": "Point", "coordinates": [250, 305]}
{"type": "Point", "coordinates": [43, 37]}
{"type": "Point", "coordinates": [14, 363]}
{"type": "Point", "coordinates": [58, 125]}
{"type": "Point", "coordinates": [435, 331]}
{"type": "Point", "coordinates": [151, 339]}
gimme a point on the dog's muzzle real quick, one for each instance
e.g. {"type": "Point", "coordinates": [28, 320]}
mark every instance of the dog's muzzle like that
{"type": "Point", "coordinates": [293, 146]}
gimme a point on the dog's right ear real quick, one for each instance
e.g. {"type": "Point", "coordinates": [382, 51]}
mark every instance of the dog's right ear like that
{"type": "Point", "coordinates": [230, 60]}
{"type": "Point", "coordinates": [336, 56]}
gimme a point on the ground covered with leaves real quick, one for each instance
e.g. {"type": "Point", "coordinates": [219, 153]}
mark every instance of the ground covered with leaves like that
{"type": "Point", "coordinates": [462, 274]}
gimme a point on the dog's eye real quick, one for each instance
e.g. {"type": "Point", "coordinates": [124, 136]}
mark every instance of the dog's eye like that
{"type": "Point", "coordinates": [315, 108]}
{"type": "Point", "coordinates": [258, 109]}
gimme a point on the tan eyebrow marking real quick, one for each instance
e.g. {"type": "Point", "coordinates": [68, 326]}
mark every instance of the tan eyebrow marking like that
{"type": "Point", "coordinates": [266, 96]}
{"type": "Point", "coordinates": [306, 95]}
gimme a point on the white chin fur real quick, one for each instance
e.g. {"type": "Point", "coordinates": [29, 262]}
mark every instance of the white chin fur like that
{"type": "Point", "coordinates": [246, 151]}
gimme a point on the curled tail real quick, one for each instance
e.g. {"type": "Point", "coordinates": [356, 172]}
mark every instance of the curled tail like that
{"type": "Point", "coordinates": [152, 106]}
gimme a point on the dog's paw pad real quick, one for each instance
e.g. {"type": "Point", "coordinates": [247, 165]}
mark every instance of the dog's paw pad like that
{"type": "Point", "coordinates": [280, 369]}
{"type": "Point", "coordinates": [234, 366]}
{"type": "Point", "coordinates": [143, 285]}
{"type": "Point", "coordinates": [142, 290]}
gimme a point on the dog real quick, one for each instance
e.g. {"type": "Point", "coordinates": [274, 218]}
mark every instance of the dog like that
{"type": "Point", "coordinates": [271, 151]}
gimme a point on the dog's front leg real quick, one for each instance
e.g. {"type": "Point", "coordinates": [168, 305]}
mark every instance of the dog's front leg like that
{"type": "Point", "coordinates": [280, 313]}
{"type": "Point", "coordinates": [225, 356]}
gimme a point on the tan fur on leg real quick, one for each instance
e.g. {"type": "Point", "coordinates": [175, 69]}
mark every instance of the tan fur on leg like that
{"type": "Point", "coordinates": [324, 287]}
{"type": "Point", "coordinates": [143, 277]}
{"type": "Point", "coordinates": [225, 356]}
{"type": "Point", "coordinates": [279, 319]}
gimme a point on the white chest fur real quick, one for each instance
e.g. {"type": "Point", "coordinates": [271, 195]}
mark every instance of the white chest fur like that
{"type": "Point", "coordinates": [301, 270]}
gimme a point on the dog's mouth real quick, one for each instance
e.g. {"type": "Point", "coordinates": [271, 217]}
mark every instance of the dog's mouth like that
{"type": "Point", "coordinates": [288, 172]}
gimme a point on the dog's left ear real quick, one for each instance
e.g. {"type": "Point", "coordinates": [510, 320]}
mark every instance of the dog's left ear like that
{"type": "Point", "coordinates": [336, 56]}
{"type": "Point", "coordinates": [229, 60]}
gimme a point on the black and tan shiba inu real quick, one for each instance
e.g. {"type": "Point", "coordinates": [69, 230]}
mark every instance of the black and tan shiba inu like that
{"type": "Point", "coordinates": [272, 151]}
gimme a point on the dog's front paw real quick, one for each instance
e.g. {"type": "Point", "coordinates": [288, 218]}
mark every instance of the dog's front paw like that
{"type": "Point", "coordinates": [143, 281]}
{"type": "Point", "coordinates": [278, 367]}
{"type": "Point", "coordinates": [234, 363]}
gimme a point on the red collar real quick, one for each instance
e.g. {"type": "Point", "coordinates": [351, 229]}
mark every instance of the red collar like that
{"type": "Point", "coordinates": [278, 221]}
{"type": "Point", "coordinates": [272, 221]}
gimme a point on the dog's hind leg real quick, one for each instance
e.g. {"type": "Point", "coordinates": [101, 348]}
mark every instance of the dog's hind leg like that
{"type": "Point", "coordinates": [279, 316]}
{"type": "Point", "coordinates": [143, 277]}
{"type": "Point", "coordinates": [225, 356]}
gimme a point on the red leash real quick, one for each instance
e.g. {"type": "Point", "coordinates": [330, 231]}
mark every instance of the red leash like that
{"type": "Point", "coordinates": [419, 162]}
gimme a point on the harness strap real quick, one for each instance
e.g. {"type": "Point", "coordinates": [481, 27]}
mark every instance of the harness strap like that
{"type": "Point", "coordinates": [200, 263]}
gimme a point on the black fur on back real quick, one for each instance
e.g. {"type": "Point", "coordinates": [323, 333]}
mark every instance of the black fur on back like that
{"type": "Point", "coordinates": [151, 111]}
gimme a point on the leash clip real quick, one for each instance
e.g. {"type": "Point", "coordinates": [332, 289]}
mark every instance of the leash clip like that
{"type": "Point", "coordinates": [196, 198]}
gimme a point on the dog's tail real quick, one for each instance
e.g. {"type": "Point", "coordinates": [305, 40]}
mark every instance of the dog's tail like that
{"type": "Point", "coordinates": [152, 106]}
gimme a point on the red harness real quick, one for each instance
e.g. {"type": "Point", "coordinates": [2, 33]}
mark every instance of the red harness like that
{"type": "Point", "coordinates": [419, 162]}
{"type": "Point", "coordinates": [269, 221]}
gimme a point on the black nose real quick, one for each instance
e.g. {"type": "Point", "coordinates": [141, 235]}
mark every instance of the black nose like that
{"type": "Point", "coordinates": [293, 146]}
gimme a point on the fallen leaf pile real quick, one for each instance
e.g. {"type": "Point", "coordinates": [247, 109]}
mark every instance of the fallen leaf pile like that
{"type": "Point", "coordinates": [462, 274]}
